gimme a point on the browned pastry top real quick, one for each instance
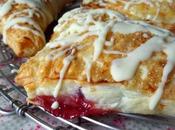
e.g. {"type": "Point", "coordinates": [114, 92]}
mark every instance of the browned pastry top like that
{"type": "Point", "coordinates": [101, 46]}
{"type": "Point", "coordinates": [23, 22]}
{"type": "Point", "coordinates": [158, 12]}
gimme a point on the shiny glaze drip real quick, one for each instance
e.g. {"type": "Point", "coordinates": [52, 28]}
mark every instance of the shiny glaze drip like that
{"type": "Point", "coordinates": [128, 4]}
{"type": "Point", "coordinates": [14, 20]}
{"type": "Point", "coordinates": [169, 50]}
{"type": "Point", "coordinates": [67, 61]}
{"type": "Point", "coordinates": [86, 24]}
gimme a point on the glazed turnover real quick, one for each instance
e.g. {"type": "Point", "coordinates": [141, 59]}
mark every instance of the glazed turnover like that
{"type": "Point", "coordinates": [23, 22]}
{"type": "Point", "coordinates": [98, 61]}
{"type": "Point", "coordinates": [158, 12]}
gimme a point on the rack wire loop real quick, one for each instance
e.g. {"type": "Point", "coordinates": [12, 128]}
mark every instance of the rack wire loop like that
{"type": "Point", "coordinates": [7, 112]}
{"type": "Point", "coordinates": [9, 63]}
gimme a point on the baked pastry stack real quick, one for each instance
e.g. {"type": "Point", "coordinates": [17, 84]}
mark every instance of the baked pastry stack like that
{"type": "Point", "coordinates": [23, 22]}
{"type": "Point", "coordinates": [99, 61]}
{"type": "Point", "coordinates": [157, 12]}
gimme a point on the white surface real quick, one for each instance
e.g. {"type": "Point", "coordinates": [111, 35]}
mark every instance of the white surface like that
{"type": "Point", "coordinates": [17, 123]}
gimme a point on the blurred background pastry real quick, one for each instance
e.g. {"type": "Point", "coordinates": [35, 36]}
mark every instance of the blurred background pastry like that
{"type": "Point", "coordinates": [157, 12]}
{"type": "Point", "coordinates": [23, 22]}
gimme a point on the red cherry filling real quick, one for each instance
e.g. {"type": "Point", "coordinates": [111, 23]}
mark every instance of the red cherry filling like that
{"type": "Point", "coordinates": [69, 106]}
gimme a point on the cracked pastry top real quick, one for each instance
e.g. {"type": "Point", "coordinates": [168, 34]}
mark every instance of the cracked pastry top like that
{"type": "Point", "coordinates": [157, 12]}
{"type": "Point", "coordinates": [108, 61]}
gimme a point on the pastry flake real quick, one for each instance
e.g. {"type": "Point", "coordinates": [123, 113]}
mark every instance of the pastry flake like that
{"type": "Point", "coordinates": [99, 61]}
{"type": "Point", "coordinates": [23, 22]}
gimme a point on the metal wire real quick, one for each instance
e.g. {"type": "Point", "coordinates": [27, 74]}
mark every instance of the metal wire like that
{"type": "Point", "coordinates": [9, 62]}
{"type": "Point", "coordinates": [22, 109]}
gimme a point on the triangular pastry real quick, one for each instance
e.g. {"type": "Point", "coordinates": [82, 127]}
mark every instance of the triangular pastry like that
{"type": "Point", "coordinates": [98, 61]}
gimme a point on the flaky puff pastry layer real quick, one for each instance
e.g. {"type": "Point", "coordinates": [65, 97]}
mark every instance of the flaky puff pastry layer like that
{"type": "Point", "coordinates": [99, 47]}
{"type": "Point", "coordinates": [22, 23]}
{"type": "Point", "coordinates": [157, 12]}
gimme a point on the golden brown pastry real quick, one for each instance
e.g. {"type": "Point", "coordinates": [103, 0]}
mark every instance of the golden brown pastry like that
{"type": "Point", "coordinates": [97, 61]}
{"type": "Point", "coordinates": [158, 12]}
{"type": "Point", "coordinates": [23, 22]}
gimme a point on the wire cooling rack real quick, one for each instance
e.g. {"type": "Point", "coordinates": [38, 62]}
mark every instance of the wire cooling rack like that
{"type": "Point", "coordinates": [8, 67]}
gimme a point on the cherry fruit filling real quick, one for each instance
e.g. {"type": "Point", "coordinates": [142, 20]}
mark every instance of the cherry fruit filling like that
{"type": "Point", "coordinates": [69, 106]}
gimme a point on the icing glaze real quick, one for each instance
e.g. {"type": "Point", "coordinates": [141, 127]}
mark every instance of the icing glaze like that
{"type": "Point", "coordinates": [5, 8]}
{"type": "Point", "coordinates": [66, 63]}
{"type": "Point", "coordinates": [88, 65]}
{"type": "Point", "coordinates": [121, 70]}
{"type": "Point", "coordinates": [55, 105]}
{"type": "Point", "coordinates": [88, 24]}
{"type": "Point", "coordinates": [14, 20]}
{"type": "Point", "coordinates": [169, 50]}
{"type": "Point", "coordinates": [73, 33]}
{"type": "Point", "coordinates": [127, 5]}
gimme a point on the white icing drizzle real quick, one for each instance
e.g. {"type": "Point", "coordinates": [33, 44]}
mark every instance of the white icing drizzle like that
{"type": "Point", "coordinates": [110, 43]}
{"type": "Point", "coordinates": [144, 72]}
{"type": "Point", "coordinates": [167, 69]}
{"type": "Point", "coordinates": [151, 3]}
{"type": "Point", "coordinates": [26, 28]}
{"type": "Point", "coordinates": [128, 4]}
{"type": "Point", "coordinates": [84, 24]}
{"type": "Point", "coordinates": [37, 7]}
{"type": "Point", "coordinates": [170, 1]}
{"type": "Point", "coordinates": [55, 54]}
{"type": "Point", "coordinates": [66, 63]}
{"type": "Point", "coordinates": [127, 27]}
{"type": "Point", "coordinates": [157, 14]}
{"type": "Point", "coordinates": [13, 22]}
{"type": "Point", "coordinates": [121, 70]}
{"type": "Point", "coordinates": [88, 24]}
{"type": "Point", "coordinates": [4, 9]}
{"type": "Point", "coordinates": [39, 4]}
{"type": "Point", "coordinates": [88, 65]}
{"type": "Point", "coordinates": [55, 105]}
{"type": "Point", "coordinates": [85, 17]}
{"type": "Point", "coordinates": [114, 52]}
{"type": "Point", "coordinates": [99, 43]}
{"type": "Point", "coordinates": [102, 2]}
{"type": "Point", "coordinates": [66, 40]}
{"type": "Point", "coordinates": [113, 1]}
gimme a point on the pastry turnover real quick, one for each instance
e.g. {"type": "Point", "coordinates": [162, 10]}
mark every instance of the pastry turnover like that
{"type": "Point", "coordinates": [158, 12]}
{"type": "Point", "coordinates": [23, 22]}
{"type": "Point", "coordinates": [98, 61]}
